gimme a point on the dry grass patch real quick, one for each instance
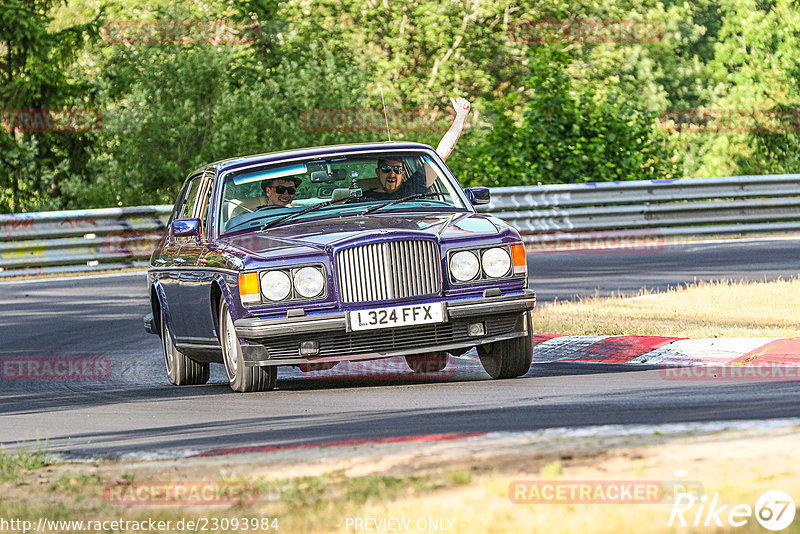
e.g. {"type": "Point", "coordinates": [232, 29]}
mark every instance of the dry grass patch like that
{"type": "Point", "coordinates": [71, 274]}
{"type": "Point", "coordinates": [719, 309]}
{"type": "Point", "coordinates": [467, 493]}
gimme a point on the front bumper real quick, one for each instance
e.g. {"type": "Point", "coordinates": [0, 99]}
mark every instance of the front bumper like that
{"type": "Point", "coordinates": [277, 341]}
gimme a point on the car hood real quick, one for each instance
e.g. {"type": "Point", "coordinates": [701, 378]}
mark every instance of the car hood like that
{"type": "Point", "coordinates": [328, 233]}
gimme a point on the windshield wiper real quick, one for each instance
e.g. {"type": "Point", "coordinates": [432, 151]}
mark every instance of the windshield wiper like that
{"type": "Point", "coordinates": [404, 199]}
{"type": "Point", "coordinates": [309, 209]}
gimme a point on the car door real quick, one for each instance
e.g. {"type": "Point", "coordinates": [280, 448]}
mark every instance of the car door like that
{"type": "Point", "coordinates": [196, 278]}
{"type": "Point", "coordinates": [171, 282]}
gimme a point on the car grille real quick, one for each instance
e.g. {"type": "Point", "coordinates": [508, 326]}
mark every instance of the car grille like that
{"type": "Point", "coordinates": [388, 271]}
{"type": "Point", "coordinates": [384, 340]}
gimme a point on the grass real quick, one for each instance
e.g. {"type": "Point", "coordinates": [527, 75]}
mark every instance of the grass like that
{"type": "Point", "coordinates": [75, 483]}
{"type": "Point", "coordinates": [304, 503]}
{"type": "Point", "coordinates": [719, 309]}
{"type": "Point", "coordinates": [13, 464]}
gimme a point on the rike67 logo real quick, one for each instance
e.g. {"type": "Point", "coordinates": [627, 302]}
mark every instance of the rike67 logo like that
{"type": "Point", "coordinates": [774, 510]}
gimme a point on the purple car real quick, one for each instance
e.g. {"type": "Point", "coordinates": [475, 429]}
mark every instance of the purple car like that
{"type": "Point", "coordinates": [378, 252]}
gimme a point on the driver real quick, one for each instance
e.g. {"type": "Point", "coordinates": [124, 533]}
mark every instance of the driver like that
{"type": "Point", "coordinates": [391, 172]}
{"type": "Point", "coordinates": [280, 191]}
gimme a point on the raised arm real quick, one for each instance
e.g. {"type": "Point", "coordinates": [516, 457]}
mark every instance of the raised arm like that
{"type": "Point", "coordinates": [448, 142]}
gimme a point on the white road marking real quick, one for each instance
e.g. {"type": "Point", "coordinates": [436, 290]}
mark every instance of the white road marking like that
{"type": "Point", "coordinates": [714, 351]}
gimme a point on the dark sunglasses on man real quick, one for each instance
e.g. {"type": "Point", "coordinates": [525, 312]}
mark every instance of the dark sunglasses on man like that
{"type": "Point", "coordinates": [398, 169]}
{"type": "Point", "coordinates": [281, 189]}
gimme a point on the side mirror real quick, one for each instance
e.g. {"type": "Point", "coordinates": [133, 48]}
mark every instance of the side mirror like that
{"type": "Point", "coordinates": [478, 195]}
{"type": "Point", "coordinates": [186, 228]}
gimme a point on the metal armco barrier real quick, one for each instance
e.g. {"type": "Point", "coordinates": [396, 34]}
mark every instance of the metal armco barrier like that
{"type": "Point", "coordinates": [628, 214]}
{"type": "Point", "coordinates": [645, 213]}
{"type": "Point", "coordinates": [80, 240]}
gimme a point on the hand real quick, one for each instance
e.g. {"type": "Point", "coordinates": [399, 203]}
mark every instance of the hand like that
{"type": "Point", "coordinates": [461, 105]}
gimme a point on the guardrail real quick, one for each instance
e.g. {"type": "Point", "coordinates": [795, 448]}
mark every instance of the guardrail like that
{"type": "Point", "coordinates": [627, 214]}
{"type": "Point", "coordinates": [646, 213]}
{"type": "Point", "coordinates": [80, 240]}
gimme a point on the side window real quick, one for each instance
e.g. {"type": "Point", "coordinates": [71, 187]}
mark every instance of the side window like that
{"type": "Point", "coordinates": [189, 200]}
{"type": "Point", "coordinates": [204, 202]}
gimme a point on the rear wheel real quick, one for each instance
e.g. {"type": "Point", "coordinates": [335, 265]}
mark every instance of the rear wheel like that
{"type": "Point", "coordinates": [181, 370]}
{"type": "Point", "coordinates": [508, 358]}
{"type": "Point", "coordinates": [242, 378]}
{"type": "Point", "coordinates": [427, 363]}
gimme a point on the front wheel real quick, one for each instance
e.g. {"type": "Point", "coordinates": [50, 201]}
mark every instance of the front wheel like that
{"type": "Point", "coordinates": [181, 370]}
{"type": "Point", "coordinates": [242, 378]}
{"type": "Point", "coordinates": [508, 358]}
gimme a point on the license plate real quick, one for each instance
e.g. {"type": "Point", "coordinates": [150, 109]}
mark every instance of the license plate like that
{"type": "Point", "coordinates": [397, 316]}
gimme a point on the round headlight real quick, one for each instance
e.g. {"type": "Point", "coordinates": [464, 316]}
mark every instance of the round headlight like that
{"type": "Point", "coordinates": [496, 262]}
{"type": "Point", "coordinates": [464, 265]}
{"type": "Point", "coordinates": [275, 285]}
{"type": "Point", "coordinates": [309, 282]}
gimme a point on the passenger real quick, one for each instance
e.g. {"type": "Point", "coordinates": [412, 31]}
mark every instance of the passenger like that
{"type": "Point", "coordinates": [280, 191]}
{"type": "Point", "coordinates": [391, 172]}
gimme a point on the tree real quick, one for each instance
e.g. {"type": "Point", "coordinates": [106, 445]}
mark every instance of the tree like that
{"type": "Point", "coordinates": [564, 137]}
{"type": "Point", "coordinates": [33, 66]}
{"type": "Point", "coordinates": [759, 56]}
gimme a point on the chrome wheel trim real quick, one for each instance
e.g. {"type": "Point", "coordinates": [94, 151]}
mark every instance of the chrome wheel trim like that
{"type": "Point", "coordinates": [231, 346]}
{"type": "Point", "coordinates": [166, 342]}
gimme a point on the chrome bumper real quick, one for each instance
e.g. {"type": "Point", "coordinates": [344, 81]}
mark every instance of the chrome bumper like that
{"type": "Point", "coordinates": [263, 337]}
{"type": "Point", "coordinates": [257, 328]}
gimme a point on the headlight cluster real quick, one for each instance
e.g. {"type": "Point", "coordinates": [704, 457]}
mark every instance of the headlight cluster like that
{"type": "Point", "coordinates": [277, 285]}
{"type": "Point", "coordinates": [488, 263]}
{"type": "Point", "coordinates": [464, 265]}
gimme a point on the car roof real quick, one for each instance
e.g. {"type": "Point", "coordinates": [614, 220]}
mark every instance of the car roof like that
{"type": "Point", "coordinates": [273, 157]}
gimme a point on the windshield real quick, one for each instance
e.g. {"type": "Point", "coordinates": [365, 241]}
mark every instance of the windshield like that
{"type": "Point", "coordinates": [341, 186]}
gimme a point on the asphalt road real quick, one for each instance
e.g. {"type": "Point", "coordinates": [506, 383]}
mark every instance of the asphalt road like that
{"type": "Point", "coordinates": [135, 410]}
{"type": "Point", "coordinates": [612, 271]}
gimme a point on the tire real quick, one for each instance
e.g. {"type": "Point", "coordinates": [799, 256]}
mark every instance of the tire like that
{"type": "Point", "coordinates": [242, 378]}
{"type": "Point", "coordinates": [509, 358]}
{"type": "Point", "coordinates": [428, 363]}
{"type": "Point", "coordinates": [181, 370]}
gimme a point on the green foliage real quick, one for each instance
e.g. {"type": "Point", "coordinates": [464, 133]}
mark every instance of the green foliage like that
{"type": "Point", "coordinates": [569, 110]}
{"type": "Point", "coordinates": [760, 58]}
{"type": "Point", "coordinates": [12, 463]}
{"type": "Point", "coordinates": [34, 64]}
{"type": "Point", "coordinates": [565, 137]}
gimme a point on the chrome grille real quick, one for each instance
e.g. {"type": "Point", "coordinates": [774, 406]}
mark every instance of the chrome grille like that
{"type": "Point", "coordinates": [388, 271]}
{"type": "Point", "coordinates": [412, 338]}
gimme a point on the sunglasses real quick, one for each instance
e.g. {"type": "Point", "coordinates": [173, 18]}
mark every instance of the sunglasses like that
{"type": "Point", "coordinates": [281, 189]}
{"type": "Point", "coordinates": [398, 169]}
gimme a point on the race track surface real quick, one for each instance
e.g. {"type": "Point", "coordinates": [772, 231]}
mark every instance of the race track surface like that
{"type": "Point", "coordinates": [133, 410]}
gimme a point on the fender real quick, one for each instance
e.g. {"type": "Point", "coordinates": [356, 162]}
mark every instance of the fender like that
{"type": "Point", "coordinates": [163, 307]}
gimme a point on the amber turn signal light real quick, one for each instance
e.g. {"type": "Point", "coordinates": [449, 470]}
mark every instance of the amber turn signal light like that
{"type": "Point", "coordinates": [518, 259]}
{"type": "Point", "coordinates": [249, 289]}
